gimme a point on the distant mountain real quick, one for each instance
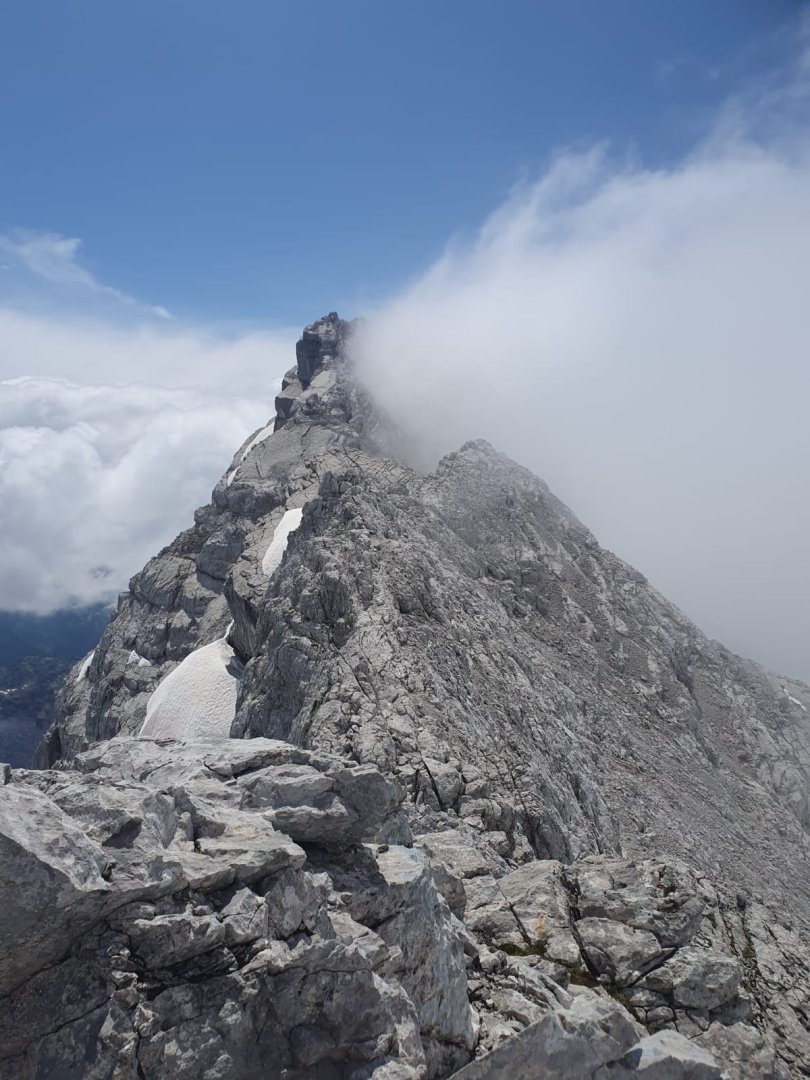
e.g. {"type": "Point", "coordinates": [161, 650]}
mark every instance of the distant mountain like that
{"type": "Point", "coordinates": [70, 633]}
{"type": "Point", "coordinates": [28, 692]}
{"type": "Point", "coordinates": [36, 652]}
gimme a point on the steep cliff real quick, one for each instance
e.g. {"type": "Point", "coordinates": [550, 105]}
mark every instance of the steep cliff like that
{"type": "Point", "coordinates": [615, 808]}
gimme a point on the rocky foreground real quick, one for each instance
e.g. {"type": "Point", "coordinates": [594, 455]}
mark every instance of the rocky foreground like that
{"type": "Point", "coordinates": [252, 909]}
{"type": "Point", "coordinates": [383, 774]}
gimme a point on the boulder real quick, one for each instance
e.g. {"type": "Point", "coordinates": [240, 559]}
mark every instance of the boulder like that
{"type": "Point", "coordinates": [696, 979]}
{"type": "Point", "coordinates": [616, 950]}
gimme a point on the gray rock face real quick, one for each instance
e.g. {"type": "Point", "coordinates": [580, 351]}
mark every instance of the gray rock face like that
{"type": "Point", "coordinates": [609, 804]}
{"type": "Point", "coordinates": [159, 921]}
{"type": "Point", "coordinates": [672, 973]}
{"type": "Point", "coordinates": [593, 1040]}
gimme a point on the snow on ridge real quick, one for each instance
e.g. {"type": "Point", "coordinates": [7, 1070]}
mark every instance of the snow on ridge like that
{"type": "Point", "coordinates": [136, 658]}
{"type": "Point", "coordinates": [198, 698]}
{"type": "Point", "coordinates": [275, 552]}
{"type": "Point", "coordinates": [88, 660]}
{"type": "Point", "coordinates": [259, 437]}
{"type": "Point", "coordinates": [794, 699]}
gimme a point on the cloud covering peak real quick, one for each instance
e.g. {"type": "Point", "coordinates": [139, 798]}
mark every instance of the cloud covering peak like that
{"type": "Point", "coordinates": [640, 338]}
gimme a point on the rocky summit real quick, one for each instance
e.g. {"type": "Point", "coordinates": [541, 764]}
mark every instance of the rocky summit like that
{"type": "Point", "coordinates": [393, 775]}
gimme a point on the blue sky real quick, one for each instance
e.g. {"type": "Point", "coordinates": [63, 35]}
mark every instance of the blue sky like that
{"type": "Point", "coordinates": [252, 161]}
{"type": "Point", "coordinates": [581, 230]}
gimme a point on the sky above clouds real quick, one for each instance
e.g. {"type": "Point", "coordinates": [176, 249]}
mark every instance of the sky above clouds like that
{"type": "Point", "coordinates": [581, 233]}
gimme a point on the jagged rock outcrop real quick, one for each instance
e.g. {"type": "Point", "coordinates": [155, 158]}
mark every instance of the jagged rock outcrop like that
{"type": "Point", "coordinates": [612, 806]}
{"type": "Point", "coordinates": [166, 912]}
{"type": "Point", "coordinates": [228, 908]}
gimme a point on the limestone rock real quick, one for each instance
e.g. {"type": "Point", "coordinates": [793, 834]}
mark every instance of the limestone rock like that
{"type": "Point", "coordinates": [665, 1056]}
{"type": "Point", "coordinates": [696, 978]}
{"type": "Point", "coordinates": [156, 922]}
{"type": "Point", "coordinates": [51, 882]}
{"type": "Point", "coordinates": [569, 1045]}
{"type": "Point", "coordinates": [618, 951]}
{"type": "Point", "coordinates": [611, 802]}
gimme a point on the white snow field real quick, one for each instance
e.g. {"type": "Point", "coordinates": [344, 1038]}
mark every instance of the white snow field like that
{"type": "Point", "coordinates": [275, 553]}
{"type": "Point", "coordinates": [197, 699]}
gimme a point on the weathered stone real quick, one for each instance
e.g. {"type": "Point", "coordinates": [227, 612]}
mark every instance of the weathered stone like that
{"type": "Point", "coordinates": [157, 923]}
{"type": "Point", "coordinates": [696, 978]}
{"type": "Point", "coordinates": [460, 851]}
{"type": "Point", "coordinates": [458, 632]}
{"type": "Point", "coordinates": [392, 892]}
{"type": "Point", "coordinates": [538, 897]}
{"type": "Point", "coordinates": [662, 898]}
{"type": "Point", "coordinates": [568, 1045]}
{"type": "Point", "coordinates": [165, 940]}
{"type": "Point", "coordinates": [51, 882]}
{"type": "Point", "coordinates": [744, 1052]}
{"type": "Point", "coordinates": [245, 917]}
{"type": "Point", "coordinates": [666, 1055]}
{"type": "Point", "coordinates": [616, 950]}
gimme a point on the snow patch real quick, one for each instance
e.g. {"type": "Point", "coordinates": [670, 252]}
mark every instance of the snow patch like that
{"type": "Point", "coordinates": [198, 698]}
{"type": "Point", "coordinates": [88, 660]}
{"type": "Point", "coordinates": [795, 700]}
{"type": "Point", "coordinates": [275, 553]}
{"type": "Point", "coordinates": [136, 658]}
{"type": "Point", "coordinates": [259, 437]}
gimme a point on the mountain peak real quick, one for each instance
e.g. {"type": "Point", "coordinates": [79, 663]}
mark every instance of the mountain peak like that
{"type": "Point", "coordinates": [609, 802]}
{"type": "Point", "coordinates": [320, 342]}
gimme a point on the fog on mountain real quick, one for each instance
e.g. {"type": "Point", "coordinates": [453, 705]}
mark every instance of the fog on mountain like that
{"type": "Point", "coordinates": [383, 772]}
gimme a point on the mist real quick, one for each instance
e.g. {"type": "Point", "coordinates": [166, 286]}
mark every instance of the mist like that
{"type": "Point", "coordinates": [641, 340]}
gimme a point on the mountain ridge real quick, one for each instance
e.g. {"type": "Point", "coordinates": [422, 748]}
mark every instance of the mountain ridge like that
{"type": "Point", "coordinates": [542, 709]}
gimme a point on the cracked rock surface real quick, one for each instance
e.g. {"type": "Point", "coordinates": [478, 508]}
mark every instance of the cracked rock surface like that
{"type": "Point", "coordinates": [612, 810]}
{"type": "Point", "coordinates": [159, 920]}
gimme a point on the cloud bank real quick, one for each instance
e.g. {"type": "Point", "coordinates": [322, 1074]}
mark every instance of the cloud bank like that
{"type": "Point", "coordinates": [641, 339]}
{"type": "Point", "coordinates": [110, 436]}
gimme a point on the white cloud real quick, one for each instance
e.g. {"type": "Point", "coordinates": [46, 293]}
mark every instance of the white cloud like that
{"type": "Point", "coordinates": [90, 351]}
{"type": "Point", "coordinates": [55, 258]}
{"type": "Point", "coordinates": [109, 439]}
{"type": "Point", "coordinates": [640, 338]}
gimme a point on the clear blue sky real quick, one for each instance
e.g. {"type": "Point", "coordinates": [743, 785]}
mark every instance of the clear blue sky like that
{"type": "Point", "coordinates": [252, 160]}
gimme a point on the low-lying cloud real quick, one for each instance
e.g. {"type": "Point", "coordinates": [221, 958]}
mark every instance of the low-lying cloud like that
{"type": "Point", "coordinates": [110, 436]}
{"type": "Point", "coordinates": [641, 339]}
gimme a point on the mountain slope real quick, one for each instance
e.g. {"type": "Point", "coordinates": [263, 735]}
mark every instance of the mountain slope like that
{"type": "Point", "coordinates": [36, 652]}
{"type": "Point", "coordinates": [28, 692]}
{"type": "Point", "coordinates": [534, 696]}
